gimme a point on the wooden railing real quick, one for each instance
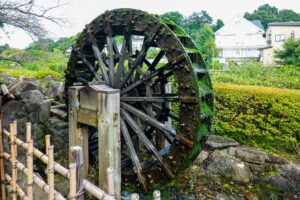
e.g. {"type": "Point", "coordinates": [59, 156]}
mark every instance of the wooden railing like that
{"type": "Point", "coordinates": [77, 185]}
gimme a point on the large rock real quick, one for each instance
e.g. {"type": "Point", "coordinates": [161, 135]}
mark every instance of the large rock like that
{"type": "Point", "coordinates": [249, 154]}
{"type": "Point", "coordinates": [55, 90]}
{"type": "Point", "coordinates": [287, 179]}
{"type": "Point", "coordinates": [229, 167]}
{"type": "Point", "coordinates": [30, 84]}
{"type": "Point", "coordinates": [44, 111]}
{"type": "Point", "coordinates": [218, 142]}
{"type": "Point", "coordinates": [32, 99]}
{"type": "Point", "coordinates": [14, 110]}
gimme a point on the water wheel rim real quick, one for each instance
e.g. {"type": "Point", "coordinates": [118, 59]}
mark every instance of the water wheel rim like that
{"type": "Point", "coordinates": [190, 72]}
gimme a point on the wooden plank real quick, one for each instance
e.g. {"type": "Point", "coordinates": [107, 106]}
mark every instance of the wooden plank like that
{"type": "Point", "coordinates": [109, 138]}
{"type": "Point", "coordinates": [82, 141]}
{"type": "Point", "coordinates": [88, 117]}
{"type": "Point", "coordinates": [59, 114]}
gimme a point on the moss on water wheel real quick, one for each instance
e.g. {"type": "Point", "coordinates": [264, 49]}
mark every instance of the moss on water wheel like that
{"type": "Point", "coordinates": [166, 100]}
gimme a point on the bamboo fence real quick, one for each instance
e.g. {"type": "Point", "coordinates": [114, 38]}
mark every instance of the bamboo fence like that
{"type": "Point", "coordinates": [77, 185]}
{"type": "Point", "coordinates": [72, 174]}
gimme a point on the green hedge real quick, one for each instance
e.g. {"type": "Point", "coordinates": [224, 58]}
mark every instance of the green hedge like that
{"type": "Point", "coordinates": [262, 117]}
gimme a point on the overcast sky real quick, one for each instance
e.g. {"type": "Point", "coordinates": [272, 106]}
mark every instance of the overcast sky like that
{"type": "Point", "coordinates": [80, 12]}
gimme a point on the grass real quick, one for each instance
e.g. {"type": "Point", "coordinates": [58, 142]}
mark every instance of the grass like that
{"type": "Point", "coordinates": [253, 73]}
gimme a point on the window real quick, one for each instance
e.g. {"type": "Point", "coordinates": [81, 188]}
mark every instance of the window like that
{"type": "Point", "coordinates": [292, 35]}
{"type": "Point", "coordinates": [279, 38]}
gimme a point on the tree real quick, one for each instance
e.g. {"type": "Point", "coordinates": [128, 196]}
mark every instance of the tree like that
{"type": "Point", "coordinates": [267, 13]}
{"type": "Point", "coordinates": [196, 21]}
{"type": "Point", "coordinates": [4, 47]}
{"type": "Point", "coordinates": [175, 16]}
{"type": "Point", "coordinates": [205, 42]}
{"type": "Point", "coordinates": [290, 55]}
{"type": "Point", "coordinates": [27, 15]}
{"type": "Point", "coordinates": [41, 45]}
{"type": "Point", "coordinates": [219, 24]}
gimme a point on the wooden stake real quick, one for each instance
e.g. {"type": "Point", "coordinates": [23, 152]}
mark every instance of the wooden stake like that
{"type": "Point", "coordinates": [77, 158]}
{"type": "Point", "coordinates": [110, 181]}
{"type": "Point", "coordinates": [2, 172]}
{"type": "Point", "coordinates": [72, 170]}
{"type": "Point", "coordinates": [156, 195]}
{"type": "Point", "coordinates": [47, 143]}
{"type": "Point", "coordinates": [50, 174]}
{"type": "Point", "coordinates": [13, 162]}
{"type": "Point", "coordinates": [30, 170]}
{"type": "Point", "coordinates": [134, 196]}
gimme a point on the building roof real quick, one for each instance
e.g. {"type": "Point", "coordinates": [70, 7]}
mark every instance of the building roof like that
{"type": "Point", "coordinates": [284, 24]}
{"type": "Point", "coordinates": [257, 23]}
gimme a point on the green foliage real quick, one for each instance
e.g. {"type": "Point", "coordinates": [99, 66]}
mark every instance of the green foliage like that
{"type": "Point", "coordinates": [219, 24]}
{"type": "Point", "coordinates": [290, 55]}
{"type": "Point", "coordinates": [35, 64]}
{"type": "Point", "coordinates": [4, 47]}
{"type": "Point", "coordinates": [262, 117]}
{"type": "Point", "coordinates": [175, 16]}
{"type": "Point", "coordinates": [253, 73]}
{"type": "Point", "coordinates": [196, 21]}
{"type": "Point", "coordinates": [205, 42]}
{"type": "Point", "coordinates": [267, 13]}
{"type": "Point", "coordinates": [62, 44]}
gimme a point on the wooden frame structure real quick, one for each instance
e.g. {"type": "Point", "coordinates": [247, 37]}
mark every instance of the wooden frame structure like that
{"type": "Point", "coordinates": [98, 106]}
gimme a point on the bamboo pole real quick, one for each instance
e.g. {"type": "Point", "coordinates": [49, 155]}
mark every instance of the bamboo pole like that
{"type": "Point", "coordinates": [76, 156]}
{"type": "Point", "coordinates": [30, 170]}
{"type": "Point", "coordinates": [72, 192]}
{"type": "Point", "coordinates": [88, 186]}
{"type": "Point", "coordinates": [47, 143]}
{"type": "Point", "coordinates": [50, 173]}
{"type": "Point", "coordinates": [2, 172]}
{"type": "Point", "coordinates": [20, 192]}
{"type": "Point", "coordinates": [37, 180]}
{"type": "Point", "coordinates": [29, 162]}
{"type": "Point", "coordinates": [110, 181]}
{"type": "Point", "coordinates": [156, 195]}
{"type": "Point", "coordinates": [13, 162]}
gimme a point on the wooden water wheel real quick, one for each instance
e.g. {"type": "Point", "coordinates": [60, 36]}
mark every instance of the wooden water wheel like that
{"type": "Point", "coordinates": [165, 88]}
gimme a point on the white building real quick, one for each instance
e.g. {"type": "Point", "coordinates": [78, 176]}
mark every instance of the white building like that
{"type": "Point", "coordinates": [240, 40]}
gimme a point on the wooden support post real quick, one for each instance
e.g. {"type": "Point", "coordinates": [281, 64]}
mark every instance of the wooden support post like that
{"type": "Point", "coordinates": [13, 162]}
{"type": "Point", "coordinates": [50, 173]}
{"type": "Point", "coordinates": [109, 137]}
{"type": "Point", "coordinates": [2, 172]}
{"type": "Point", "coordinates": [156, 195]}
{"type": "Point", "coordinates": [78, 134]}
{"type": "Point", "coordinates": [77, 158]}
{"type": "Point", "coordinates": [72, 192]}
{"type": "Point", "coordinates": [47, 143]}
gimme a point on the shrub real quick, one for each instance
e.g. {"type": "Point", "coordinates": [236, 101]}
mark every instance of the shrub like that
{"type": "Point", "coordinates": [262, 117]}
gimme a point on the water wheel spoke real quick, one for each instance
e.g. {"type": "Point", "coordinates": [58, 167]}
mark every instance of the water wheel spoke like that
{"type": "Point", "coordinates": [141, 55]}
{"type": "Point", "coordinates": [121, 65]}
{"type": "Point", "coordinates": [156, 60]}
{"type": "Point", "coordinates": [169, 113]}
{"type": "Point", "coordinates": [149, 99]}
{"type": "Point", "coordinates": [89, 66]}
{"type": "Point", "coordinates": [110, 49]}
{"type": "Point", "coordinates": [100, 62]}
{"type": "Point", "coordinates": [133, 154]}
{"type": "Point", "coordinates": [169, 133]}
{"type": "Point", "coordinates": [169, 66]}
{"type": "Point", "coordinates": [147, 143]}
